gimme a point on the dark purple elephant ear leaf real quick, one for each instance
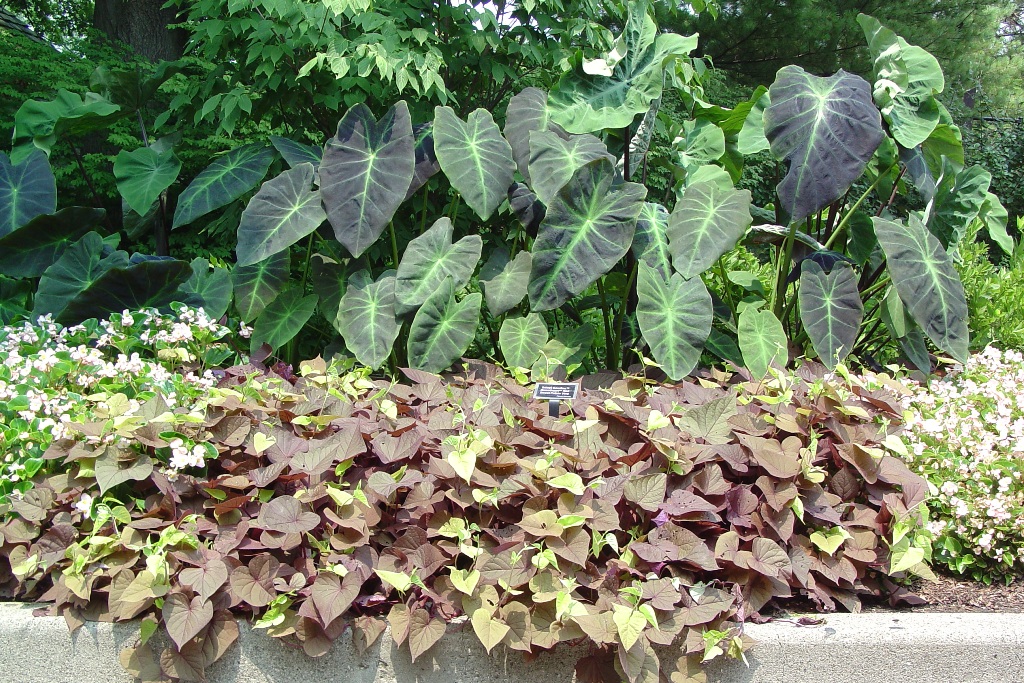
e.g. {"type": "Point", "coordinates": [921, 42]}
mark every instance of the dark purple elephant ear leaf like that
{"type": "Point", "coordinates": [285, 514]}
{"type": "Point", "coordinates": [185, 618]}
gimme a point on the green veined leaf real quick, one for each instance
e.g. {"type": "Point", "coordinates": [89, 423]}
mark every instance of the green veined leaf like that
{"type": "Point", "coordinates": [675, 317]}
{"type": "Point", "coordinates": [443, 328]}
{"type": "Point", "coordinates": [211, 286]}
{"type": "Point", "coordinates": [367, 319]}
{"type": "Point", "coordinates": [527, 208]}
{"type": "Point", "coordinates": [143, 174]}
{"type": "Point", "coordinates": [751, 139]}
{"type": "Point", "coordinates": [703, 144]}
{"type": "Point", "coordinates": [724, 346]}
{"type": "Point", "coordinates": [152, 283]}
{"type": "Point", "coordinates": [427, 165]}
{"type": "Point", "coordinates": [430, 258]}
{"type": "Point", "coordinates": [830, 309]}
{"type": "Point", "coordinates": [282, 319]}
{"type": "Point", "coordinates": [521, 339]}
{"type": "Point", "coordinates": [554, 160]}
{"type": "Point", "coordinates": [295, 153]}
{"type": "Point", "coordinates": [507, 288]}
{"type": "Point", "coordinates": [256, 286]}
{"type": "Point", "coordinates": [366, 172]}
{"type": "Point", "coordinates": [330, 281]}
{"type": "Point", "coordinates": [568, 347]}
{"type": "Point", "coordinates": [283, 212]}
{"type": "Point", "coordinates": [475, 157]}
{"type": "Point", "coordinates": [589, 226]}
{"type": "Point", "coordinates": [706, 223]}
{"type": "Point", "coordinates": [650, 242]}
{"type": "Point", "coordinates": [223, 181]}
{"type": "Point", "coordinates": [826, 129]}
{"type": "Point", "coordinates": [762, 341]}
{"type": "Point", "coordinates": [927, 283]}
{"type": "Point", "coordinates": [527, 112]}
{"type": "Point", "coordinates": [959, 197]}
{"type": "Point", "coordinates": [38, 124]}
{"type": "Point", "coordinates": [27, 189]}
{"type": "Point", "coordinates": [34, 247]}
{"type": "Point", "coordinates": [76, 270]}
{"type": "Point", "coordinates": [994, 217]}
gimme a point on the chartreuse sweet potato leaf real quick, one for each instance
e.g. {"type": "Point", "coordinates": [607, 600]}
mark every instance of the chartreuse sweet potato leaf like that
{"type": "Point", "coordinates": [650, 242]}
{"type": "Point", "coordinates": [762, 340]}
{"type": "Point", "coordinates": [907, 79]}
{"type": "Point", "coordinates": [223, 181]}
{"type": "Point", "coordinates": [489, 630]}
{"type": "Point", "coordinates": [367, 319]}
{"type": "Point", "coordinates": [589, 226]}
{"type": "Point", "coordinates": [829, 540]}
{"type": "Point", "coordinates": [282, 319]}
{"type": "Point", "coordinates": [706, 223]}
{"type": "Point", "coordinates": [521, 339]}
{"type": "Point", "coordinates": [475, 157]}
{"type": "Point", "coordinates": [143, 174]}
{"type": "Point", "coordinates": [443, 328]}
{"type": "Point", "coordinates": [27, 189]}
{"type": "Point", "coordinates": [150, 283]}
{"type": "Point", "coordinates": [211, 287]}
{"type": "Point", "coordinates": [959, 198]}
{"type": "Point", "coordinates": [826, 129]}
{"type": "Point", "coordinates": [366, 171]}
{"type": "Point", "coordinates": [256, 286]}
{"type": "Point", "coordinates": [507, 287]}
{"type": "Point", "coordinates": [35, 246]}
{"type": "Point", "coordinates": [432, 257]}
{"type": "Point", "coordinates": [675, 317]}
{"type": "Point", "coordinates": [527, 112]}
{"type": "Point", "coordinates": [284, 211]}
{"type": "Point", "coordinates": [830, 309]}
{"type": "Point", "coordinates": [927, 283]}
{"type": "Point", "coordinates": [295, 153]}
{"type": "Point", "coordinates": [610, 92]}
{"type": "Point", "coordinates": [553, 159]}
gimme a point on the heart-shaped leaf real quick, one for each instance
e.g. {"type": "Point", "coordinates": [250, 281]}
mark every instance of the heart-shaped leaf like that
{"type": "Point", "coordinates": [465, 580]}
{"type": "Point", "coordinates": [650, 242]}
{"type": "Point", "coordinates": [568, 347]}
{"type": "Point", "coordinates": [994, 217]}
{"type": "Point", "coordinates": [904, 559]}
{"type": "Point", "coordinates": [675, 318]}
{"type": "Point", "coordinates": [211, 287]}
{"type": "Point", "coordinates": [706, 223]}
{"type": "Point", "coordinates": [507, 287]}
{"type": "Point", "coordinates": [296, 153]}
{"type": "Point", "coordinates": [475, 157]}
{"type": "Point", "coordinates": [826, 129]}
{"type": "Point", "coordinates": [143, 174]}
{"type": "Point", "coordinates": [257, 285]}
{"type": "Point", "coordinates": [151, 283]}
{"type": "Point", "coordinates": [527, 112]}
{"type": "Point", "coordinates": [76, 270]}
{"type": "Point", "coordinates": [629, 623]}
{"type": "Point", "coordinates": [283, 212]}
{"type": "Point", "coordinates": [38, 124]}
{"type": "Point", "coordinates": [185, 618]}
{"type": "Point", "coordinates": [554, 159]}
{"type": "Point", "coordinates": [589, 226]}
{"type": "Point", "coordinates": [222, 182]}
{"type": "Point", "coordinates": [27, 189]}
{"type": "Point", "coordinates": [443, 328]}
{"type": "Point", "coordinates": [430, 258]}
{"type": "Point", "coordinates": [830, 309]}
{"type": "Point", "coordinates": [206, 579]}
{"type": "Point", "coordinates": [332, 595]}
{"type": "Point", "coordinates": [830, 540]}
{"type": "Point", "coordinates": [34, 247]}
{"type": "Point", "coordinates": [285, 514]}
{"type": "Point", "coordinates": [116, 466]}
{"type": "Point", "coordinates": [424, 632]}
{"type": "Point", "coordinates": [282, 319]}
{"type": "Point", "coordinates": [521, 339]}
{"type": "Point", "coordinates": [367, 319]}
{"type": "Point", "coordinates": [762, 341]}
{"type": "Point", "coordinates": [365, 174]}
{"type": "Point", "coordinates": [959, 198]}
{"type": "Point", "coordinates": [927, 283]}
{"type": "Point", "coordinates": [489, 630]}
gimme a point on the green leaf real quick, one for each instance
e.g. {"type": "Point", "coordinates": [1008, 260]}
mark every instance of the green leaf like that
{"type": "Point", "coordinates": [927, 283]}
{"type": "Point", "coordinates": [629, 624]}
{"type": "Point", "coordinates": [223, 181]}
{"type": "Point", "coordinates": [587, 102]}
{"type": "Point", "coordinates": [430, 258]}
{"type": "Point", "coordinates": [465, 581]}
{"type": "Point", "coordinates": [27, 189]}
{"type": "Point", "coordinates": [568, 347]}
{"type": "Point", "coordinates": [142, 175]}
{"type": "Point", "coordinates": [76, 270]}
{"type": "Point", "coordinates": [826, 129]}
{"type": "Point", "coordinates": [367, 319]}
{"type": "Point", "coordinates": [256, 286]}
{"type": "Point", "coordinates": [489, 630]}
{"type": "Point", "coordinates": [399, 580]}
{"type": "Point", "coordinates": [151, 283]}
{"type": "Point", "coordinates": [38, 124]}
{"type": "Point", "coordinates": [762, 341]}
{"type": "Point", "coordinates": [751, 139]}
{"type": "Point", "coordinates": [521, 339]}
{"type": "Point", "coordinates": [589, 226]}
{"type": "Point", "coordinates": [282, 319]}
{"type": "Point", "coordinates": [724, 346]}
{"type": "Point", "coordinates": [34, 247]}
{"type": "Point", "coordinates": [507, 288]}
{"type": "Point", "coordinates": [527, 112]}
{"type": "Point", "coordinates": [959, 197]}
{"type": "Point", "coordinates": [862, 240]}
{"type": "Point", "coordinates": [994, 217]}
{"type": "Point", "coordinates": [830, 540]}
{"type": "Point", "coordinates": [443, 328]}
{"type": "Point", "coordinates": [554, 160]}
{"type": "Point", "coordinates": [675, 317]}
{"type": "Point", "coordinates": [296, 153]}
{"type": "Point", "coordinates": [706, 223]}
{"type": "Point", "coordinates": [211, 286]}
{"type": "Point", "coordinates": [704, 143]}
{"type": "Point", "coordinates": [475, 157]}
{"type": "Point", "coordinates": [904, 558]}
{"type": "Point", "coordinates": [366, 171]}
{"type": "Point", "coordinates": [426, 160]}
{"type": "Point", "coordinates": [830, 309]}
{"type": "Point", "coordinates": [330, 280]}
{"type": "Point", "coordinates": [283, 212]}
{"type": "Point", "coordinates": [650, 242]}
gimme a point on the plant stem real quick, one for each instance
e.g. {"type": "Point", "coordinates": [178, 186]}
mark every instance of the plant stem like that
{"type": "Point", "coordinates": [309, 256]}
{"type": "Point", "coordinates": [426, 204]}
{"type": "Point", "coordinates": [782, 271]}
{"type": "Point", "coordinates": [394, 243]}
{"type": "Point", "coordinates": [494, 338]}
{"type": "Point", "coordinates": [609, 352]}
{"type": "Point", "coordinates": [725, 286]}
{"type": "Point", "coordinates": [849, 214]}
{"type": "Point", "coordinates": [621, 317]}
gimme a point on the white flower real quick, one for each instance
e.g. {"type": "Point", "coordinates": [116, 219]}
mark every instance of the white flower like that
{"type": "Point", "coordinates": [84, 505]}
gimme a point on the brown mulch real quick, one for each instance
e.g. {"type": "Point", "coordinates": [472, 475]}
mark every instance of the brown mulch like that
{"type": "Point", "coordinates": [962, 595]}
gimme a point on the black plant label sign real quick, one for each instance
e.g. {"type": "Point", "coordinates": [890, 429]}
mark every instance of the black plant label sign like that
{"type": "Point", "coordinates": [556, 391]}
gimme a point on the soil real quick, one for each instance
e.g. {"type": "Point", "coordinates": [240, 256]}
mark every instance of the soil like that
{"type": "Point", "coordinates": [960, 595]}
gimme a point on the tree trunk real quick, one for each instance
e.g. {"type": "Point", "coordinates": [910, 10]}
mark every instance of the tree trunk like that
{"type": "Point", "coordinates": [143, 25]}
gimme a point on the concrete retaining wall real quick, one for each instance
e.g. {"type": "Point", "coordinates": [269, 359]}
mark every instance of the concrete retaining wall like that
{"type": "Point", "coordinates": [847, 648]}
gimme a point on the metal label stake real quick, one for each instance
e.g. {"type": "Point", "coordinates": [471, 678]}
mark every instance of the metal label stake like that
{"type": "Point", "coordinates": [554, 393]}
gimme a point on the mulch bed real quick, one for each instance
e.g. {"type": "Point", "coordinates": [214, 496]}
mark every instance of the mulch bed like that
{"type": "Point", "coordinates": [961, 595]}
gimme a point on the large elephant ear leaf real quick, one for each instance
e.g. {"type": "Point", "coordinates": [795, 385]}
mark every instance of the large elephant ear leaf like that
{"type": "Point", "coordinates": [831, 309]}
{"type": "Point", "coordinates": [675, 317]}
{"type": "Point", "coordinates": [283, 212]}
{"type": "Point", "coordinates": [527, 112]}
{"type": "Point", "coordinates": [762, 341]}
{"type": "Point", "coordinates": [826, 129]}
{"type": "Point", "coordinates": [150, 283]}
{"type": "Point", "coordinates": [223, 181]}
{"type": "Point", "coordinates": [430, 258]}
{"type": "Point", "coordinates": [994, 217]}
{"type": "Point", "coordinates": [589, 226]}
{"type": "Point", "coordinates": [521, 339]}
{"type": "Point", "coordinates": [295, 153]}
{"type": "Point", "coordinates": [443, 328]}
{"type": "Point", "coordinates": [553, 160]}
{"type": "Point", "coordinates": [907, 79]}
{"type": "Point", "coordinates": [566, 349]}
{"type": "Point", "coordinates": [257, 285]}
{"type": "Point", "coordinates": [427, 165]}
{"type": "Point", "coordinates": [707, 222]}
{"type": "Point", "coordinates": [905, 331]}
{"type": "Point", "coordinates": [475, 157]}
{"type": "Point", "coordinates": [210, 286]}
{"type": "Point", "coordinates": [330, 281]}
{"type": "Point", "coordinates": [27, 189]}
{"type": "Point", "coordinates": [143, 174]}
{"type": "Point", "coordinates": [650, 243]}
{"type": "Point", "coordinates": [367, 319]}
{"type": "Point", "coordinates": [32, 248]}
{"type": "Point", "coordinates": [282, 319]}
{"type": "Point", "coordinates": [927, 282]}
{"type": "Point", "coordinates": [610, 92]}
{"type": "Point", "coordinates": [76, 269]}
{"type": "Point", "coordinates": [959, 198]}
{"type": "Point", "coordinates": [507, 287]}
{"type": "Point", "coordinates": [365, 174]}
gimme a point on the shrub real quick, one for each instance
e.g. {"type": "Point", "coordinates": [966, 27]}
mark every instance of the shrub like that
{"type": "Point", "coordinates": [993, 296]}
